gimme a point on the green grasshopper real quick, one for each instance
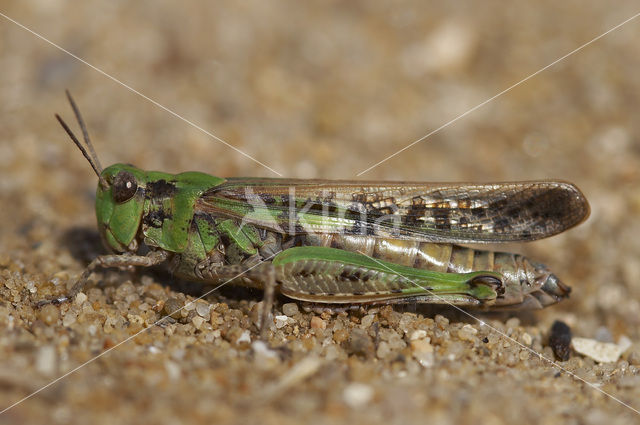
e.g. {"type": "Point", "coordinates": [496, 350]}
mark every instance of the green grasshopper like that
{"type": "Point", "coordinates": [334, 242]}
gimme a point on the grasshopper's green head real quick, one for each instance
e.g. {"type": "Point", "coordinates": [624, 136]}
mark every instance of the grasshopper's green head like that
{"type": "Point", "coordinates": [126, 193]}
{"type": "Point", "coordinates": [119, 199]}
{"type": "Point", "coordinates": [119, 206]}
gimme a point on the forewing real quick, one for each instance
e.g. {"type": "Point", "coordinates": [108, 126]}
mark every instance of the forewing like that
{"type": "Point", "coordinates": [435, 212]}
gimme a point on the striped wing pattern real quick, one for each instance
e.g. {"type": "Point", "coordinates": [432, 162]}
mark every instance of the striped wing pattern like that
{"type": "Point", "coordinates": [434, 212]}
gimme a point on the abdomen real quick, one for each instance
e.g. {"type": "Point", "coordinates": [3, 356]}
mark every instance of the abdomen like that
{"type": "Point", "coordinates": [425, 255]}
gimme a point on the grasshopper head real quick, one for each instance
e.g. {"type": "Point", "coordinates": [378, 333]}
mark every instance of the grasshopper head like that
{"type": "Point", "coordinates": [119, 206]}
{"type": "Point", "coordinates": [126, 193]}
{"type": "Point", "coordinates": [120, 197]}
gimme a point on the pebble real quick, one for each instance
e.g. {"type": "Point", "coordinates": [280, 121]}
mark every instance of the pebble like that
{"type": "Point", "coordinates": [69, 318]}
{"type": "Point", "coordinates": [467, 333]}
{"type": "Point", "coordinates": [603, 335]}
{"type": "Point", "coordinates": [602, 352]}
{"type": "Point", "coordinates": [360, 343]}
{"type": "Point", "coordinates": [340, 336]}
{"type": "Point", "coordinates": [629, 382]}
{"type": "Point", "coordinates": [262, 353]}
{"type": "Point", "coordinates": [46, 360]}
{"type": "Point", "coordinates": [81, 297]}
{"type": "Point", "coordinates": [49, 314]}
{"type": "Point", "coordinates": [383, 350]}
{"type": "Point", "coordinates": [560, 340]}
{"type": "Point", "coordinates": [281, 321]}
{"type": "Point", "coordinates": [244, 337]}
{"type": "Point", "coordinates": [634, 358]}
{"type": "Point", "coordinates": [367, 321]}
{"type": "Point", "coordinates": [513, 322]}
{"type": "Point", "coordinates": [172, 308]}
{"type": "Point", "coordinates": [441, 321]}
{"type": "Point", "coordinates": [418, 334]}
{"type": "Point", "coordinates": [203, 309]}
{"type": "Point", "coordinates": [173, 370]}
{"type": "Point", "coordinates": [318, 323]}
{"type": "Point", "coordinates": [197, 322]}
{"type": "Point", "coordinates": [357, 395]}
{"type": "Point", "coordinates": [290, 309]}
{"type": "Point", "coordinates": [423, 352]}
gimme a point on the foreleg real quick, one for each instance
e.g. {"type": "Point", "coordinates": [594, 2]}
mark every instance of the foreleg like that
{"type": "Point", "coordinates": [123, 260]}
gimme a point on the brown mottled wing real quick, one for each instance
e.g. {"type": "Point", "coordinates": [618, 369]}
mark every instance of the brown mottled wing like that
{"type": "Point", "coordinates": [437, 212]}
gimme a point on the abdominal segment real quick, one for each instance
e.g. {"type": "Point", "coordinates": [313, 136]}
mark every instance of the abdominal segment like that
{"type": "Point", "coordinates": [440, 257]}
{"type": "Point", "coordinates": [526, 284]}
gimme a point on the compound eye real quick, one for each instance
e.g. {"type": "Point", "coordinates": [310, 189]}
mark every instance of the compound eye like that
{"type": "Point", "coordinates": [124, 186]}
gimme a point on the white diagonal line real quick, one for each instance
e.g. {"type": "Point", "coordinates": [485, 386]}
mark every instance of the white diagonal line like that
{"type": "Point", "coordinates": [443, 126]}
{"type": "Point", "coordinates": [498, 331]}
{"type": "Point", "coordinates": [91, 360]}
{"type": "Point", "coordinates": [164, 108]}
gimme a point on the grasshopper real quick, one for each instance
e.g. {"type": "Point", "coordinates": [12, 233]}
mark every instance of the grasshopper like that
{"type": "Point", "coordinates": [333, 242]}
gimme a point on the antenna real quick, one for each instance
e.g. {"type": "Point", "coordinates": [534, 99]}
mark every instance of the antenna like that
{"type": "Point", "coordinates": [93, 158]}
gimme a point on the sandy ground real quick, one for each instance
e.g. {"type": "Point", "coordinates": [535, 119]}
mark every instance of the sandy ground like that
{"type": "Point", "coordinates": [314, 89]}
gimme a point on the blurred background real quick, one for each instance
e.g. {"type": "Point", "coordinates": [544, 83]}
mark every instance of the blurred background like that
{"type": "Point", "coordinates": [327, 89]}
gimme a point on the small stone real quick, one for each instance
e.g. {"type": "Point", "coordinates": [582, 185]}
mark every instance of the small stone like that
{"type": "Point", "coordinates": [360, 343]}
{"type": "Point", "coordinates": [624, 343]}
{"type": "Point", "coordinates": [263, 354]}
{"type": "Point", "coordinates": [603, 334]}
{"type": "Point", "coordinates": [281, 321]}
{"type": "Point", "coordinates": [455, 350]}
{"type": "Point", "coordinates": [526, 339]}
{"type": "Point", "coordinates": [332, 352]}
{"type": "Point", "coordinates": [69, 318]}
{"type": "Point", "coordinates": [384, 350]}
{"type": "Point", "coordinates": [81, 297]}
{"type": "Point", "coordinates": [367, 321]}
{"type": "Point", "coordinates": [422, 351]}
{"type": "Point", "coordinates": [493, 338]}
{"type": "Point", "coordinates": [357, 395]}
{"type": "Point", "coordinates": [203, 309]}
{"type": "Point", "coordinates": [172, 308]}
{"type": "Point", "coordinates": [125, 289]}
{"type": "Point", "coordinates": [418, 334]}
{"type": "Point", "coordinates": [513, 322]}
{"type": "Point", "coordinates": [340, 336]}
{"type": "Point", "coordinates": [46, 360]}
{"type": "Point", "coordinates": [244, 337]}
{"type": "Point", "coordinates": [290, 309]}
{"type": "Point", "coordinates": [396, 343]}
{"type": "Point", "coordinates": [602, 352]}
{"type": "Point", "coordinates": [634, 358]}
{"type": "Point", "coordinates": [629, 382]}
{"type": "Point", "coordinates": [173, 370]}
{"type": "Point", "coordinates": [197, 322]}
{"type": "Point", "coordinates": [318, 323]}
{"type": "Point", "coordinates": [560, 340]}
{"type": "Point", "coordinates": [467, 333]}
{"type": "Point", "coordinates": [49, 314]}
{"type": "Point", "coordinates": [441, 321]}
{"type": "Point", "coordinates": [406, 321]}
